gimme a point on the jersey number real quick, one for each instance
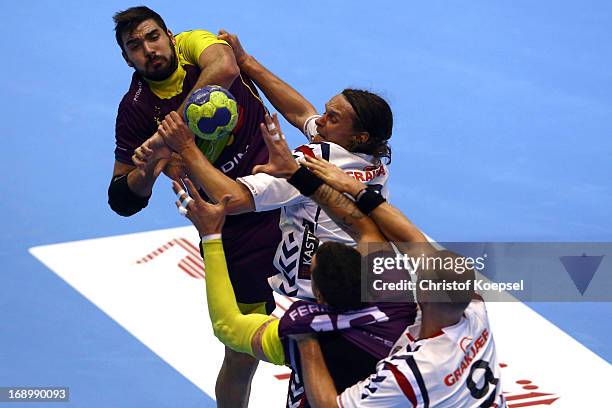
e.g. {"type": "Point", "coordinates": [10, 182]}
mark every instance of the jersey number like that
{"type": "Point", "coordinates": [345, 321]}
{"type": "Point", "coordinates": [489, 378]}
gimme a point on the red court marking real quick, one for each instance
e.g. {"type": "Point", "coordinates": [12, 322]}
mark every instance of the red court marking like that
{"type": "Point", "coordinates": [193, 272]}
{"type": "Point", "coordinates": [525, 396]}
{"type": "Point", "coordinates": [187, 246]}
{"type": "Point", "coordinates": [193, 266]}
{"type": "Point", "coordinates": [155, 253]}
{"type": "Point", "coordinates": [194, 248]}
{"type": "Point", "coordinates": [533, 403]}
{"type": "Point", "coordinates": [193, 259]}
{"type": "Point", "coordinates": [187, 270]}
{"type": "Point", "coordinates": [197, 264]}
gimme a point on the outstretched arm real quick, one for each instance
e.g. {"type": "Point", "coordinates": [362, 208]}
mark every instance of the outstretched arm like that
{"type": "Point", "coordinates": [254, 334]}
{"type": "Point", "coordinates": [394, 225]}
{"type": "Point", "coordinates": [287, 101]}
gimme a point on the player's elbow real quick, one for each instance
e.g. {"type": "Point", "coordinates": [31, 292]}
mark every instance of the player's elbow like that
{"type": "Point", "coordinates": [221, 332]}
{"type": "Point", "coordinates": [122, 200]}
{"type": "Point", "coordinates": [369, 233]}
{"type": "Point", "coordinates": [124, 212]}
{"type": "Point", "coordinates": [307, 111]}
{"type": "Point", "coordinates": [227, 335]}
{"type": "Point", "coordinates": [232, 69]}
{"type": "Point", "coordinates": [300, 113]}
{"type": "Point", "coordinates": [242, 200]}
{"type": "Point", "coordinates": [297, 119]}
{"type": "Point", "coordinates": [228, 70]}
{"type": "Point", "coordinates": [239, 206]}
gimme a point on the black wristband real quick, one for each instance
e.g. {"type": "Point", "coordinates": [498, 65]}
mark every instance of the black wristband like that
{"type": "Point", "coordinates": [305, 181]}
{"type": "Point", "coordinates": [123, 200]}
{"type": "Point", "coordinates": [368, 201]}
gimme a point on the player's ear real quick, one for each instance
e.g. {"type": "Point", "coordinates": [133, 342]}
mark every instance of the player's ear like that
{"type": "Point", "coordinates": [127, 61]}
{"type": "Point", "coordinates": [318, 296]}
{"type": "Point", "coordinates": [362, 137]}
{"type": "Point", "coordinates": [171, 36]}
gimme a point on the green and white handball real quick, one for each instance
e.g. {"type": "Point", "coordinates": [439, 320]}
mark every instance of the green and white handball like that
{"type": "Point", "coordinates": [211, 113]}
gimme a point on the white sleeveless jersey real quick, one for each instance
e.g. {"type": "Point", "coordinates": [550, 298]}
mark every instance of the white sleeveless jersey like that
{"type": "Point", "coordinates": [457, 368]}
{"type": "Point", "coordinates": [302, 222]}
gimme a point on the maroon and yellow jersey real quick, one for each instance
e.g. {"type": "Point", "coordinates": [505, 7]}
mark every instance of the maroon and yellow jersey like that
{"type": "Point", "coordinates": [250, 240]}
{"type": "Point", "coordinates": [147, 103]}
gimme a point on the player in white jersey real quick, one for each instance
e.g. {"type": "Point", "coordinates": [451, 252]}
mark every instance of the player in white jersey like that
{"type": "Point", "coordinates": [303, 224]}
{"type": "Point", "coordinates": [455, 368]}
{"type": "Point", "coordinates": [446, 359]}
{"type": "Point", "coordinates": [353, 133]}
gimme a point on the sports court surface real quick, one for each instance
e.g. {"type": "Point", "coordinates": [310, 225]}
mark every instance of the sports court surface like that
{"type": "Point", "coordinates": [502, 133]}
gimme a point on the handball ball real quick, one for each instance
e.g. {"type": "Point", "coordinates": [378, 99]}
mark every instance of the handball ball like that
{"type": "Point", "coordinates": [211, 112]}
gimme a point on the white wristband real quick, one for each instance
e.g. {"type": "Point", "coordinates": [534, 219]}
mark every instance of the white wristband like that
{"type": "Point", "coordinates": [210, 237]}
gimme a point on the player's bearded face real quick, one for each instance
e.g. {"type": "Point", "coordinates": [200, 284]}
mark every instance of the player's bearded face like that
{"type": "Point", "coordinates": [150, 51]}
{"type": "Point", "coordinates": [159, 67]}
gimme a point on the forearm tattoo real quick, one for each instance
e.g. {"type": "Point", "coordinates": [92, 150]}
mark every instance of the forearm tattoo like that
{"type": "Point", "coordinates": [340, 208]}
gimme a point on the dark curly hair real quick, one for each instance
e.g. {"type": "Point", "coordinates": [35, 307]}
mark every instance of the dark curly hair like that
{"type": "Point", "coordinates": [127, 20]}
